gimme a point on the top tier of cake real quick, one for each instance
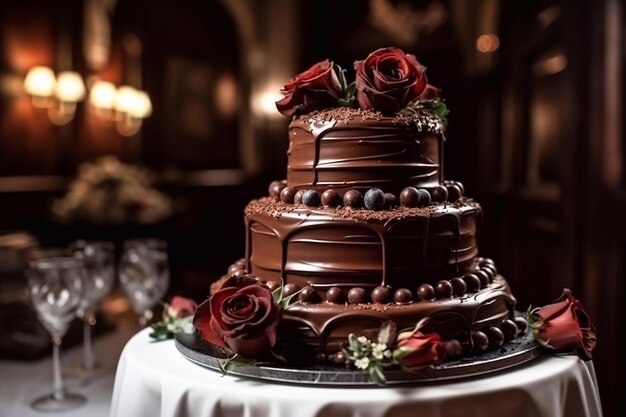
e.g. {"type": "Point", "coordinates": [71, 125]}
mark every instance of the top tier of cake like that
{"type": "Point", "coordinates": [345, 148]}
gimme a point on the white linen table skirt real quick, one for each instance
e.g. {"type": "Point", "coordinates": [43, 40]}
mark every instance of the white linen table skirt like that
{"type": "Point", "coordinates": [153, 379]}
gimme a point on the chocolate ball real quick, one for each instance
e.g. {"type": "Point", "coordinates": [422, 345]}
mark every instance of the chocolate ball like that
{"type": "Point", "coordinates": [234, 268]}
{"type": "Point", "coordinates": [308, 295]}
{"type": "Point", "coordinates": [287, 195]}
{"type": "Point", "coordinates": [453, 348]}
{"type": "Point", "coordinates": [458, 286]}
{"type": "Point", "coordinates": [331, 198]}
{"type": "Point", "coordinates": [311, 198]}
{"type": "Point", "coordinates": [272, 285]}
{"type": "Point", "coordinates": [239, 273]}
{"type": "Point", "coordinates": [357, 295]}
{"type": "Point", "coordinates": [403, 296]}
{"type": "Point", "coordinates": [486, 261]}
{"type": "Point", "coordinates": [374, 199]}
{"type": "Point", "coordinates": [443, 289]}
{"type": "Point", "coordinates": [335, 295]}
{"type": "Point", "coordinates": [425, 292]}
{"type": "Point", "coordinates": [492, 268]}
{"type": "Point", "coordinates": [290, 289]}
{"type": "Point", "coordinates": [484, 278]}
{"type": "Point", "coordinates": [454, 192]}
{"type": "Point", "coordinates": [381, 295]}
{"type": "Point", "coordinates": [509, 328]}
{"type": "Point", "coordinates": [439, 194]}
{"type": "Point", "coordinates": [489, 273]}
{"type": "Point", "coordinates": [424, 197]}
{"type": "Point", "coordinates": [390, 200]}
{"type": "Point", "coordinates": [297, 197]}
{"type": "Point", "coordinates": [461, 187]}
{"type": "Point", "coordinates": [353, 198]}
{"type": "Point", "coordinates": [495, 336]}
{"type": "Point", "coordinates": [480, 340]}
{"type": "Point", "coordinates": [275, 188]}
{"type": "Point", "coordinates": [521, 323]}
{"type": "Point", "coordinates": [472, 282]}
{"type": "Point", "coordinates": [409, 197]}
{"type": "Point", "coordinates": [339, 358]}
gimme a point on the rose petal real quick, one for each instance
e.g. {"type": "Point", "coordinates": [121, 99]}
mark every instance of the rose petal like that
{"type": "Point", "coordinates": [182, 307]}
{"type": "Point", "coordinates": [202, 322]}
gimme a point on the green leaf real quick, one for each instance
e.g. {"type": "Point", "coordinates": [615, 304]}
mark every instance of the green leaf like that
{"type": "Point", "coordinates": [439, 109]}
{"type": "Point", "coordinates": [348, 99]}
{"type": "Point", "coordinates": [341, 73]}
{"type": "Point", "coordinates": [160, 332]}
{"type": "Point", "coordinates": [284, 303]}
{"type": "Point", "coordinates": [376, 374]}
{"type": "Point", "coordinates": [235, 362]}
{"type": "Point", "coordinates": [353, 343]}
{"type": "Point", "coordinates": [387, 333]}
{"type": "Point", "coordinates": [277, 294]}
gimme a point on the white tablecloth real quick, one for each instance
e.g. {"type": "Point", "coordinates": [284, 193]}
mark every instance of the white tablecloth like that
{"type": "Point", "coordinates": [154, 379]}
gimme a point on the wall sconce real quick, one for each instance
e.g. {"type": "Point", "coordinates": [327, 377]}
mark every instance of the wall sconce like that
{"type": "Point", "coordinates": [131, 106]}
{"type": "Point", "coordinates": [57, 94]}
{"type": "Point", "coordinates": [39, 84]}
{"type": "Point", "coordinates": [102, 97]}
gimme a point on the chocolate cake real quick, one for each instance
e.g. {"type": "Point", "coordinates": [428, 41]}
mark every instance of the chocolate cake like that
{"type": "Point", "coordinates": [366, 229]}
{"type": "Point", "coordinates": [356, 268]}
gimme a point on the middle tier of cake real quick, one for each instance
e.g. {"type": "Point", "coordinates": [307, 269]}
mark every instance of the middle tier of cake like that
{"type": "Point", "coordinates": [341, 247]}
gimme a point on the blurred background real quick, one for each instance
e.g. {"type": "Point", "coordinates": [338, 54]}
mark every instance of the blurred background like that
{"type": "Point", "coordinates": [125, 119]}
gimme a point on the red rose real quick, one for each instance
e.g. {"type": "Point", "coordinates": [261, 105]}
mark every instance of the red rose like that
{"type": "Point", "coordinates": [388, 79]}
{"type": "Point", "coordinates": [314, 89]}
{"type": "Point", "coordinates": [430, 93]}
{"type": "Point", "coordinates": [241, 316]}
{"type": "Point", "coordinates": [182, 307]}
{"type": "Point", "coordinates": [565, 325]}
{"type": "Point", "coordinates": [416, 351]}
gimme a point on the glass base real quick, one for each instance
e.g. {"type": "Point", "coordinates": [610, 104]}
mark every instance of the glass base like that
{"type": "Point", "coordinates": [49, 403]}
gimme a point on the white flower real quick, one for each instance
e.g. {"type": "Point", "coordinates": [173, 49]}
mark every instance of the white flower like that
{"type": "Point", "coordinates": [362, 363]}
{"type": "Point", "coordinates": [378, 350]}
{"type": "Point", "coordinates": [363, 340]}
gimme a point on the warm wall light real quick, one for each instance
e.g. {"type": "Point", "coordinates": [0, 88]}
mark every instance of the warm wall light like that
{"type": "Point", "coordinates": [102, 97]}
{"type": "Point", "coordinates": [69, 90]}
{"type": "Point", "coordinates": [39, 84]}
{"type": "Point", "coordinates": [132, 106]}
{"type": "Point", "coordinates": [58, 94]}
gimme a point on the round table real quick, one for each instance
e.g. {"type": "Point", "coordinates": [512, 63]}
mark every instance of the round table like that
{"type": "Point", "coordinates": [154, 379]}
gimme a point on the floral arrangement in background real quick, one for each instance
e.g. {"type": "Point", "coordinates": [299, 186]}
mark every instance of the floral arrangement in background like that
{"type": "Point", "coordinates": [177, 317]}
{"type": "Point", "coordinates": [108, 191]}
{"type": "Point", "coordinates": [388, 81]}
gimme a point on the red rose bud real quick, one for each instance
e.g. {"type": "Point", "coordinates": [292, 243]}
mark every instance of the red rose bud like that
{"type": "Point", "coordinates": [388, 79]}
{"type": "Point", "coordinates": [416, 351]}
{"type": "Point", "coordinates": [314, 89]}
{"type": "Point", "coordinates": [241, 316]}
{"type": "Point", "coordinates": [181, 307]}
{"type": "Point", "coordinates": [565, 325]}
{"type": "Point", "coordinates": [430, 93]}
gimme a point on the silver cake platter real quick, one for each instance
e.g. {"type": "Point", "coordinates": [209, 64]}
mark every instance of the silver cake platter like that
{"type": "Point", "coordinates": [518, 351]}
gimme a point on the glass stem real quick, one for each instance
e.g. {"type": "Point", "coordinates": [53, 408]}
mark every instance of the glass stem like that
{"type": "Point", "coordinates": [87, 346]}
{"type": "Point", "coordinates": [57, 386]}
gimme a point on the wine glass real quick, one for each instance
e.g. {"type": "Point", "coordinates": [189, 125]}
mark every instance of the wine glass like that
{"type": "Point", "coordinates": [56, 285]}
{"type": "Point", "coordinates": [98, 259]}
{"type": "Point", "coordinates": [144, 275]}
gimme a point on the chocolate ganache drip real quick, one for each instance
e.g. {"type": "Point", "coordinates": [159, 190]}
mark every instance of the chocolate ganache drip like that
{"type": "Point", "coordinates": [357, 149]}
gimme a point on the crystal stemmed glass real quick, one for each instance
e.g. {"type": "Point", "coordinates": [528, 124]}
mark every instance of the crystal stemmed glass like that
{"type": "Point", "coordinates": [144, 275]}
{"type": "Point", "coordinates": [55, 285]}
{"type": "Point", "coordinates": [98, 259]}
